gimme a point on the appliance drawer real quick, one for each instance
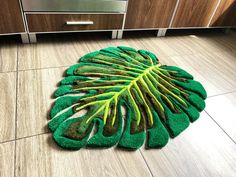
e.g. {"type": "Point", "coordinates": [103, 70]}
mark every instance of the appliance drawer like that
{"type": "Point", "coordinates": [73, 22]}
{"type": "Point", "coordinates": [74, 5]}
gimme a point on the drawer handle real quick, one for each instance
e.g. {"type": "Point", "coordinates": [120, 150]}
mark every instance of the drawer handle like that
{"type": "Point", "coordinates": [79, 23]}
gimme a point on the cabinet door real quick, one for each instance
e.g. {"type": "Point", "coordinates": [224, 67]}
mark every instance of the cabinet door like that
{"type": "Point", "coordinates": [149, 13]}
{"type": "Point", "coordinates": [10, 17]}
{"type": "Point", "coordinates": [225, 14]}
{"type": "Point", "coordinates": [194, 13]}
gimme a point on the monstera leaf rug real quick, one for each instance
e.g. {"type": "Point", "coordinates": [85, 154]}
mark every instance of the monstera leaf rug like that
{"type": "Point", "coordinates": [158, 101]}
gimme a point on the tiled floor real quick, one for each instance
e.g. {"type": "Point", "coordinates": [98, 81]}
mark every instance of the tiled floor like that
{"type": "Point", "coordinates": [29, 75]}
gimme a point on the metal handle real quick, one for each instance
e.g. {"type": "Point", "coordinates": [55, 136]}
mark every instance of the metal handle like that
{"type": "Point", "coordinates": [79, 23]}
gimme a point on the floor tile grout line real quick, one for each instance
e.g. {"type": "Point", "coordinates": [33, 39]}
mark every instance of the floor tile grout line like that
{"type": "Point", "coordinates": [44, 133]}
{"type": "Point", "coordinates": [5, 72]}
{"type": "Point", "coordinates": [25, 137]}
{"type": "Point", "coordinates": [7, 141]}
{"type": "Point", "coordinates": [146, 163]}
{"type": "Point", "coordinates": [221, 94]}
{"type": "Point", "coordinates": [17, 63]}
{"type": "Point", "coordinates": [220, 127]}
{"type": "Point", "coordinates": [53, 67]}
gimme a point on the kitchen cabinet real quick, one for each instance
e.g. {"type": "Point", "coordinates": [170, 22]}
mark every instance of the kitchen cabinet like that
{"type": "Point", "coordinates": [225, 14]}
{"type": "Point", "coordinates": [194, 13]}
{"type": "Point", "coordinates": [149, 13]}
{"type": "Point", "coordinates": [110, 15]}
{"type": "Point", "coordinates": [11, 20]}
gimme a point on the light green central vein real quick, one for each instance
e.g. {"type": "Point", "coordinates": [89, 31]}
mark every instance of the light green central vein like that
{"type": "Point", "coordinates": [116, 96]}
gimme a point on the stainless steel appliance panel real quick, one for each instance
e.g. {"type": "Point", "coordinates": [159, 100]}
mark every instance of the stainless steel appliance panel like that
{"type": "Point", "coordinates": [74, 5]}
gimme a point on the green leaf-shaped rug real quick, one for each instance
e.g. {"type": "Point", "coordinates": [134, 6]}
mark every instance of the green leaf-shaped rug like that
{"type": "Point", "coordinates": [159, 101]}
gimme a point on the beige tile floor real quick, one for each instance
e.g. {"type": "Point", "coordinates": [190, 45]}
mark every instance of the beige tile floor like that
{"type": "Point", "coordinates": [29, 75]}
